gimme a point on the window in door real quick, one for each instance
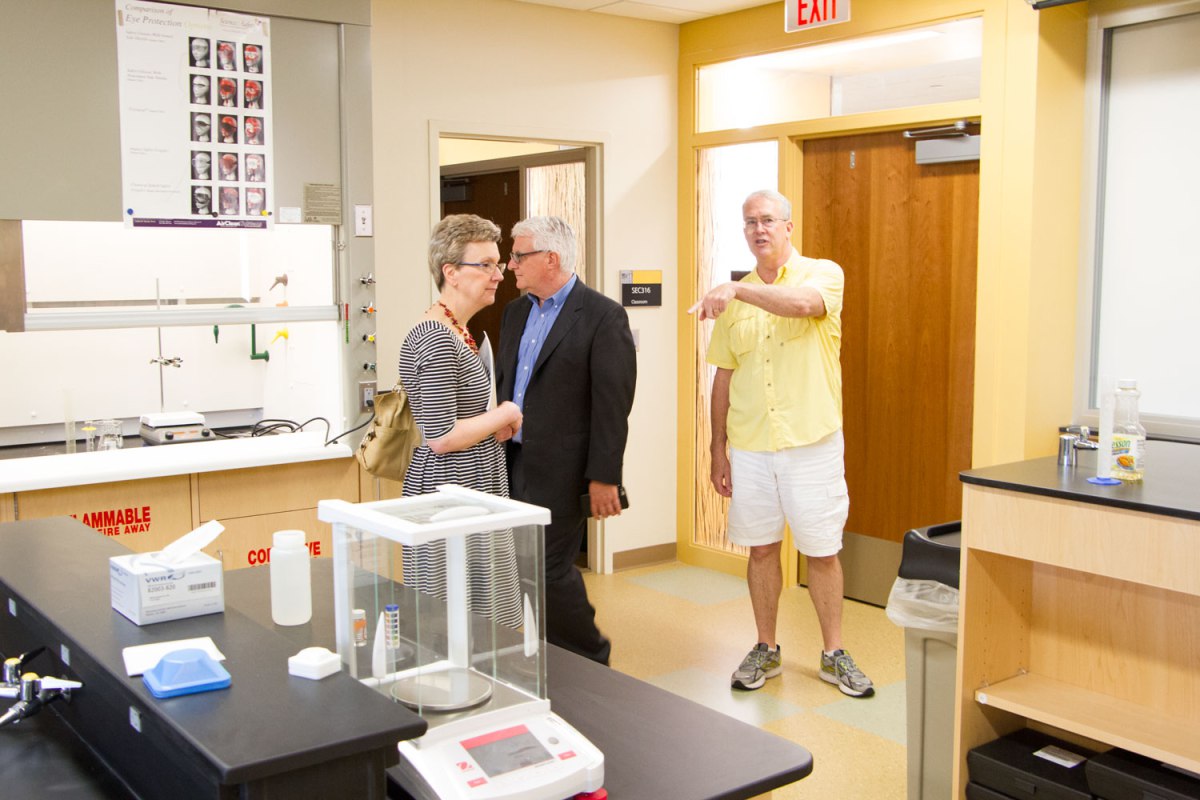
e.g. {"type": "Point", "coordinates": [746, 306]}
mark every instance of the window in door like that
{"type": "Point", "coordinates": [726, 176]}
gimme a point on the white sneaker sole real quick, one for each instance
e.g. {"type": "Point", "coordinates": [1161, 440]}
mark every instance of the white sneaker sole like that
{"type": "Point", "coordinates": [843, 688]}
{"type": "Point", "coordinates": [752, 685]}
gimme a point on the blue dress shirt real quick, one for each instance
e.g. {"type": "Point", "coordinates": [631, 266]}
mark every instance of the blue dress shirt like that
{"type": "Point", "coordinates": [537, 327]}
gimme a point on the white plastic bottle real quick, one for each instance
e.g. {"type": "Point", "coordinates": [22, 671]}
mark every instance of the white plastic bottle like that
{"type": "Point", "coordinates": [291, 579]}
{"type": "Point", "coordinates": [1129, 437]}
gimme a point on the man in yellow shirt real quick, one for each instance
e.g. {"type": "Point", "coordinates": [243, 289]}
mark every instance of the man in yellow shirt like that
{"type": "Point", "coordinates": [777, 407]}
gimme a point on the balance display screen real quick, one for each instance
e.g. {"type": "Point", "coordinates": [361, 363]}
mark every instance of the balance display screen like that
{"type": "Point", "coordinates": [506, 750]}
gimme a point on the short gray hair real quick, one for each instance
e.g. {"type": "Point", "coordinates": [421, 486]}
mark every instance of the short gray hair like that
{"type": "Point", "coordinates": [552, 234]}
{"type": "Point", "coordinates": [785, 205]}
{"type": "Point", "coordinates": [450, 238]}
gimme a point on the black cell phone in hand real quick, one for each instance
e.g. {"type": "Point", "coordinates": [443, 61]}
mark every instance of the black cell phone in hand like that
{"type": "Point", "coordinates": [585, 501]}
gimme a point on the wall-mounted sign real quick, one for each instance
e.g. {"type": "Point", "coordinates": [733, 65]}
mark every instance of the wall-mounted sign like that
{"type": "Point", "coordinates": [196, 126]}
{"type": "Point", "coordinates": [641, 287]}
{"type": "Point", "coordinates": [800, 15]}
{"type": "Point", "coordinates": [323, 203]}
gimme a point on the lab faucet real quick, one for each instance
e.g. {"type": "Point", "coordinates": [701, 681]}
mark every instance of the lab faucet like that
{"type": "Point", "coordinates": [32, 692]}
{"type": "Point", "coordinates": [1075, 437]}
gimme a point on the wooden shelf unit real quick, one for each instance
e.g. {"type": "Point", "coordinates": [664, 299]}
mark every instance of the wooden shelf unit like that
{"type": "Point", "coordinates": [1098, 716]}
{"type": "Point", "coordinates": [1081, 617]}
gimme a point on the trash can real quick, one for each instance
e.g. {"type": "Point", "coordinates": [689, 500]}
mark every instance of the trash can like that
{"type": "Point", "coordinates": [924, 601]}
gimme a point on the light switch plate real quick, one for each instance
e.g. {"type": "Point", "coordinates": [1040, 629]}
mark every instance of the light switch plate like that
{"type": "Point", "coordinates": [364, 221]}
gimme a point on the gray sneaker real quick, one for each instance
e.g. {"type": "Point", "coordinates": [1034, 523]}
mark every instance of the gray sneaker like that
{"type": "Point", "coordinates": [840, 670]}
{"type": "Point", "coordinates": [758, 665]}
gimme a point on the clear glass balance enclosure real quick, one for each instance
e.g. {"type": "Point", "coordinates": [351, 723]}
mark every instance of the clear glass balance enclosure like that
{"type": "Point", "coordinates": [439, 600]}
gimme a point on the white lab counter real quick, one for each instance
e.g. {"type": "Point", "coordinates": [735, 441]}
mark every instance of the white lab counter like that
{"type": "Point", "coordinates": [79, 469]}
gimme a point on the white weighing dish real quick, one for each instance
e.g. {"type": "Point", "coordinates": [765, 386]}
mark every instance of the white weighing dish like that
{"type": "Point", "coordinates": [314, 663]}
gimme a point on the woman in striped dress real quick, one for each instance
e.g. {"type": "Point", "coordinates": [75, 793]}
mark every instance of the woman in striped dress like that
{"type": "Point", "coordinates": [450, 388]}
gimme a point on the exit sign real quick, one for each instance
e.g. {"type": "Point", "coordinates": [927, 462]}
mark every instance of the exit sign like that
{"type": "Point", "coordinates": [801, 15]}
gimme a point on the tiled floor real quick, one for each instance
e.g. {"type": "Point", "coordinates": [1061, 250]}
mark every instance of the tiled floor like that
{"type": "Point", "coordinates": [685, 629]}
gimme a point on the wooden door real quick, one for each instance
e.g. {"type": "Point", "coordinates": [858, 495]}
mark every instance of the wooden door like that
{"type": "Point", "coordinates": [905, 235]}
{"type": "Point", "coordinates": [495, 196]}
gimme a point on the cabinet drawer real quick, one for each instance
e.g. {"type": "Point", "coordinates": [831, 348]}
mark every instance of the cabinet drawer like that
{"type": "Point", "coordinates": [269, 490]}
{"type": "Point", "coordinates": [143, 515]}
{"type": "Point", "coordinates": [246, 541]}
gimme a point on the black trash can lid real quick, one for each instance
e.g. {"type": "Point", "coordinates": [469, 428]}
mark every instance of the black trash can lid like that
{"type": "Point", "coordinates": [932, 553]}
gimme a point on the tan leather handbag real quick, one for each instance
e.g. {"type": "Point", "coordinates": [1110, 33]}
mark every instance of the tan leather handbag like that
{"type": "Point", "coordinates": [387, 448]}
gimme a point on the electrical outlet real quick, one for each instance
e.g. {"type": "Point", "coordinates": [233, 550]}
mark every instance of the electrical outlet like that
{"type": "Point", "coordinates": [366, 395]}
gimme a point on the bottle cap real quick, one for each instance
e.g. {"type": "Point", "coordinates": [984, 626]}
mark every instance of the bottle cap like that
{"type": "Point", "coordinates": [287, 539]}
{"type": "Point", "coordinates": [1126, 383]}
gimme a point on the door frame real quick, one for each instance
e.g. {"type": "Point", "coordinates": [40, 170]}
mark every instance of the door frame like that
{"type": "Point", "coordinates": [592, 145]}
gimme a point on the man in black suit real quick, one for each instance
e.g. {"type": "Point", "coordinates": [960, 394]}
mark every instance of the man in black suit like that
{"type": "Point", "coordinates": [567, 359]}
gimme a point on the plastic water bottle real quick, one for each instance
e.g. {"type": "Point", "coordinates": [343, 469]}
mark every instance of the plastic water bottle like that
{"type": "Point", "coordinates": [1129, 437]}
{"type": "Point", "coordinates": [291, 579]}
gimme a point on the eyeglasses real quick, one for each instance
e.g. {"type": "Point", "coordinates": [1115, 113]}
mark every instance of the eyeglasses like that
{"type": "Point", "coordinates": [517, 258]}
{"type": "Point", "coordinates": [766, 222]}
{"type": "Point", "coordinates": [486, 266]}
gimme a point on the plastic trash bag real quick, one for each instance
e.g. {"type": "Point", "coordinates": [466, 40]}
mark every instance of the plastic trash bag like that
{"type": "Point", "coordinates": [928, 605]}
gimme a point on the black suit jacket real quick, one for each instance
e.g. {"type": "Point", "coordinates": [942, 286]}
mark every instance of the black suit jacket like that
{"type": "Point", "coordinates": [577, 404]}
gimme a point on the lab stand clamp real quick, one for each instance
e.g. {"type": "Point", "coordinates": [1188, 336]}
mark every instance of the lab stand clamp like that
{"type": "Point", "coordinates": [31, 691]}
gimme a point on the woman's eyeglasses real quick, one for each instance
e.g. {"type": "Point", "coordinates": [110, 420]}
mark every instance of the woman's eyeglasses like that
{"type": "Point", "coordinates": [486, 266]}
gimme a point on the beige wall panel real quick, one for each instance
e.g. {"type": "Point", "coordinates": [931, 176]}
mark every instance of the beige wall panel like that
{"type": "Point", "coordinates": [6, 507]}
{"type": "Point", "coordinates": [246, 541]}
{"type": "Point", "coordinates": [142, 515]}
{"type": "Point", "coordinates": [269, 490]}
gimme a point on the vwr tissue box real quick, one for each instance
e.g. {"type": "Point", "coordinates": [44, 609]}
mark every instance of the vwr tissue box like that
{"type": "Point", "coordinates": [176, 583]}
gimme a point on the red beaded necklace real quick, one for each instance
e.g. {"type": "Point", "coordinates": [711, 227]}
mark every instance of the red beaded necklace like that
{"type": "Point", "coordinates": [467, 337]}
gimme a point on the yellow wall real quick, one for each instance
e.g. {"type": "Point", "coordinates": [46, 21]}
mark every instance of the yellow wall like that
{"type": "Point", "coordinates": [1030, 181]}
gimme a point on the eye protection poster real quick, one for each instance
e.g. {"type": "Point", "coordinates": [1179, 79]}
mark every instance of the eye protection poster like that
{"type": "Point", "coordinates": [196, 126]}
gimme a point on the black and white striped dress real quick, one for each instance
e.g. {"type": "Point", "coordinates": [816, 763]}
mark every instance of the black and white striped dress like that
{"type": "Point", "coordinates": [447, 382]}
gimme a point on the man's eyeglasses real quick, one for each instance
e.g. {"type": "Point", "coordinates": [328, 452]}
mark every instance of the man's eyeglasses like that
{"type": "Point", "coordinates": [486, 266]}
{"type": "Point", "coordinates": [517, 258]}
{"type": "Point", "coordinates": [766, 222]}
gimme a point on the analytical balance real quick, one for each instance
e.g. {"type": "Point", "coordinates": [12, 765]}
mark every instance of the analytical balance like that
{"type": "Point", "coordinates": [450, 588]}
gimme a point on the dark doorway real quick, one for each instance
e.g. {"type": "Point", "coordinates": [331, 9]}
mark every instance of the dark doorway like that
{"type": "Point", "coordinates": [495, 196]}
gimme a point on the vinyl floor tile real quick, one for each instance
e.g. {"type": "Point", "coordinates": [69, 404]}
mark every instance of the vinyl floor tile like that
{"type": "Point", "coordinates": [700, 586]}
{"type": "Point", "coordinates": [685, 629]}
{"type": "Point", "coordinates": [754, 708]}
{"type": "Point", "coordinates": [883, 714]}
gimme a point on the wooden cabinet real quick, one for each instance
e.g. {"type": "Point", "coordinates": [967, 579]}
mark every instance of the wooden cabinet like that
{"type": "Point", "coordinates": [371, 488]}
{"type": "Point", "coordinates": [1081, 617]}
{"type": "Point", "coordinates": [143, 515]}
{"type": "Point", "coordinates": [252, 503]}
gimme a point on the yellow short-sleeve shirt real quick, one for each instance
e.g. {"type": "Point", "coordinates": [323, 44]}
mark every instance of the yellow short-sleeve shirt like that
{"type": "Point", "coordinates": [786, 388]}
